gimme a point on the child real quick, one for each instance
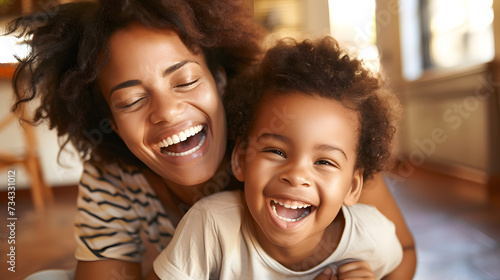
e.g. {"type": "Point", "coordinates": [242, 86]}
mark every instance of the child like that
{"type": "Point", "coordinates": [313, 126]}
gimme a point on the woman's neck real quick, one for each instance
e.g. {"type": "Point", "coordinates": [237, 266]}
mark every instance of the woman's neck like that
{"type": "Point", "coordinates": [177, 199]}
{"type": "Point", "coordinates": [189, 195]}
{"type": "Point", "coordinates": [308, 253]}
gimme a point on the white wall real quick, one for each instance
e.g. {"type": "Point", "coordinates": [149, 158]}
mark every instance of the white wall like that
{"type": "Point", "coordinates": [12, 141]}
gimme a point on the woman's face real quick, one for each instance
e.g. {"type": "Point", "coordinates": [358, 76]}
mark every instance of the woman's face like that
{"type": "Point", "coordinates": [165, 104]}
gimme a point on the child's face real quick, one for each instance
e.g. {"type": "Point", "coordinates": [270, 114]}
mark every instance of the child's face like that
{"type": "Point", "coordinates": [298, 167]}
{"type": "Point", "coordinates": [160, 93]}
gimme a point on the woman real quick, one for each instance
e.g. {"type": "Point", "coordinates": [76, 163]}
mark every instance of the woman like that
{"type": "Point", "coordinates": [135, 86]}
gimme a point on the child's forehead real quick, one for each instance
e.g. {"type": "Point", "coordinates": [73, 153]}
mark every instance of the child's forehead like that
{"type": "Point", "coordinates": [271, 100]}
{"type": "Point", "coordinates": [280, 110]}
{"type": "Point", "coordinates": [305, 124]}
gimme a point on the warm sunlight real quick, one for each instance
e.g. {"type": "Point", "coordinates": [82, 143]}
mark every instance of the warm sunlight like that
{"type": "Point", "coordinates": [353, 24]}
{"type": "Point", "coordinates": [10, 47]}
{"type": "Point", "coordinates": [460, 32]}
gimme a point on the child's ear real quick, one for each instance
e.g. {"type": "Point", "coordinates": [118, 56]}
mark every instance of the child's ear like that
{"type": "Point", "coordinates": [238, 160]}
{"type": "Point", "coordinates": [221, 80]}
{"type": "Point", "coordinates": [355, 190]}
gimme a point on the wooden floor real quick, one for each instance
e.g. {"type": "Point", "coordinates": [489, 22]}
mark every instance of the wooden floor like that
{"type": "Point", "coordinates": [456, 230]}
{"type": "Point", "coordinates": [455, 226]}
{"type": "Point", "coordinates": [44, 239]}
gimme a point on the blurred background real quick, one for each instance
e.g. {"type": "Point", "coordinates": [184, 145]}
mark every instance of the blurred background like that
{"type": "Point", "coordinates": [440, 56]}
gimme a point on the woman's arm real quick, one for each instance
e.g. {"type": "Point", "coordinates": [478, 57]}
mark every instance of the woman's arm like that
{"type": "Point", "coordinates": [152, 276]}
{"type": "Point", "coordinates": [108, 269]}
{"type": "Point", "coordinates": [377, 194]}
{"type": "Point", "coordinates": [108, 243]}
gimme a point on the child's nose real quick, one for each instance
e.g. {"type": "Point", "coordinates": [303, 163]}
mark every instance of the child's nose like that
{"type": "Point", "coordinates": [296, 175]}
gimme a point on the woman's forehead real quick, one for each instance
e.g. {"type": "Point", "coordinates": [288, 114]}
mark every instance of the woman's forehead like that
{"type": "Point", "coordinates": [137, 52]}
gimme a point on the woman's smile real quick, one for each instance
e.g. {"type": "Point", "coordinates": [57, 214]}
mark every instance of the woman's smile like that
{"type": "Point", "coordinates": [183, 143]}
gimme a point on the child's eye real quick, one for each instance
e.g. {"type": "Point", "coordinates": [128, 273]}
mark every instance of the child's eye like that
{"type": "Point", "coordinates": [276, 151]}
{"type": "Point", "coordinates": [325, 162]}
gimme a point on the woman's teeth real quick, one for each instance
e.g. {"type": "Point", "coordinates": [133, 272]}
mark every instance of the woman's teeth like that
{"type": "Point", "coordinates": [188, 152]}
{"type": "Point", "coordinates": [181, 136]}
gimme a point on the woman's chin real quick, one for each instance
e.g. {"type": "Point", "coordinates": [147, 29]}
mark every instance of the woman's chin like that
{"type": "Point", "coordinates": [190, 177]}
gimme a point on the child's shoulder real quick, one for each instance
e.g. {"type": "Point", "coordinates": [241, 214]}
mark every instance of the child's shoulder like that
{"type": "Point", "coordinates": [368, 216]}
{"type": "Point", "coordinates": [222, 201]}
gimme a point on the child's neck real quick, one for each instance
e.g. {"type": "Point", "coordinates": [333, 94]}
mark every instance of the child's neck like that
{"type": "Point", "coordinates": [309, 253]}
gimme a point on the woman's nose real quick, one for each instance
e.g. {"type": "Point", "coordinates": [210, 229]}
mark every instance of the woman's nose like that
{"type": "Point", "coordinates": [296, 175]}
{"type": "Point", "coordinates": [166, 108]}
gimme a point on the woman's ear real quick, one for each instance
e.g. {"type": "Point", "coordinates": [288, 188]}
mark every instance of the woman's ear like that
{"type": "Point", "coordinates": [221, 80]}
{"type": "Point", "coordinates": [354, 192]}
{"type": "Point", "coordinates": [114, 126]}
{"type": "Point", "coordinates": [238, 160]}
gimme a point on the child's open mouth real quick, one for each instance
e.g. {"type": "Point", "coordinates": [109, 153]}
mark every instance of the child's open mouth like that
{"type": "Point", "coordinates": [184, 143]}
{"type": "Point", "coordinates": [291, 212]}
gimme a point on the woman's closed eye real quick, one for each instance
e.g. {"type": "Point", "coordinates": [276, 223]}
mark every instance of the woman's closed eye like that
{"type": "Point", "coordinates": [188, 85]}
{"type": "Point", "coordinates": [132, 104]}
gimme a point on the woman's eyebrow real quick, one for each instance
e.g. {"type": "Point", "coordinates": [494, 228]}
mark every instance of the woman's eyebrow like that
{"type": "Point", "coordinates": [176, 67]}
{"type": "Point", "coordinates": [125, 84]}
{"type": "Point", "coordinates": [167, 72]}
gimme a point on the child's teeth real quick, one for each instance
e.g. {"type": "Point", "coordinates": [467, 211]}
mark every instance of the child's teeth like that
{"type": "Point", "coordinates": [291, 206]}
{"type": "Point", "coordinates": [288, 219]}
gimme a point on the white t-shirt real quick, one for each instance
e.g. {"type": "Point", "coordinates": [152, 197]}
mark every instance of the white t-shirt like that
{"type": "Point", "coordinates": [215, 240]}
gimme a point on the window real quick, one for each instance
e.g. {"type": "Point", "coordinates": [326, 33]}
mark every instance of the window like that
{"type": "Point", "coordinates": [444, 34]}
{"type": "Point", "coordinates": [353, 24]}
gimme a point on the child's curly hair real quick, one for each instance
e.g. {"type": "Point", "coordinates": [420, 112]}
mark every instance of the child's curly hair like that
{"type": "Point", "coordinates": [319, 67]}
{"type": "Point", "coordinates": [69, 45]}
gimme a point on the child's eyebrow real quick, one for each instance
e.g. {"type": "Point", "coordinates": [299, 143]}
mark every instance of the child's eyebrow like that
{"type": "Point", "coordinates": [273, 136]}
{"type": "Point", "coordinates": [284, 139]}
{"type": "Point", "coordinates": [326, 147]}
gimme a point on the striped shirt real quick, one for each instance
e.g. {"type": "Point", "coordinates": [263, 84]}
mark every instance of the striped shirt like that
{"type": "Point", "coordinates": [115, 204]}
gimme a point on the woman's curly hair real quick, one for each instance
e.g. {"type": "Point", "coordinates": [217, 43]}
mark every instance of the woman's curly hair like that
{"type": "Point", "coordinates": [69, 45]}
{"type": "Point", "coordinates": [319, 67]}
